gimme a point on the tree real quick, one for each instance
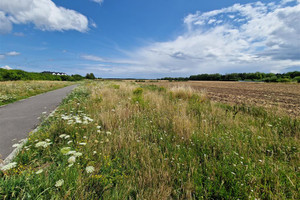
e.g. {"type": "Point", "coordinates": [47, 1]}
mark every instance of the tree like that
{"type": "Point", "coordinates": [90, 76]}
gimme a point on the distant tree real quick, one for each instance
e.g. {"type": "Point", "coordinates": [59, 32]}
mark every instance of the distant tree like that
{"type": "Point", "coordinates": [90, 76]}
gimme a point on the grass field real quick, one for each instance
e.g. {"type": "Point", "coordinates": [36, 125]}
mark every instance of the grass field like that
{"type": "Point", "coordinates": [118, 140]}
{"type": "Point", "coordinates": [11, 91]}
{"type": "Point", "coordinates": [284, 97]}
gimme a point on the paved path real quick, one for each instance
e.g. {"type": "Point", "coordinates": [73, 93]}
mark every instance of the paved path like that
{"type": "Point", "coordinates": [19, 118]}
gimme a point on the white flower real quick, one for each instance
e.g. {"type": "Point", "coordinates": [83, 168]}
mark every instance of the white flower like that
{"type": "Point", "coordinates": [94, 152]}
{"type": "Point", "coordinates": [71, 153]}
{"type": "Point", "coordinates": [47, 140]}
{"type": "Point", "coordinates": [65, 150]}
{"type": "Point", "coordinates": [59, 183]}
{"type": "Point", "coordinates": [9, 166]}
{"type": "Point", "coordinates": [82, 143]}
{"type": "Point", "coordinates": [98, 131]}
{"type": "Point", "coordinates": [72, 159]}
{"type": "Point", "coordinates": [77, 154]}
{"type": "Point", "coordinates": [70, 165]}
{"type": "Point", "coordinates": [98, 127]}
{"type": "Point", "coordinates": [39, 171]}
{"type": "Point", "coordinates": [108, 133]}
{"type": "Point", "coordinates": [42, 144]}
{"type": "Point", "coordinates": [62, 135]}
{"type": "Point", "coordinates": [69, 142]}
{"type": "Point", "coordinates": [89, 169]}
{"type": "Point", "coordinates": [233, 173]}
{"type": "Point", "coordinates": [67, 136]}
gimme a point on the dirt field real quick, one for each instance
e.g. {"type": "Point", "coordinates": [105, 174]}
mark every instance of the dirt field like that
{"type": "Point", "coordinates": [272, 95]}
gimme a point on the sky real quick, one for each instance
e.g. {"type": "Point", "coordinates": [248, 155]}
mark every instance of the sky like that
{"type": "Point", "coordinates": [150, 39]}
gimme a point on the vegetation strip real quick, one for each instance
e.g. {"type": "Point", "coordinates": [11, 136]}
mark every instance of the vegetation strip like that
{"type": "Point", "coordinates": [117, 140]}
{"type": "Point", "coordinates": [11, 91]}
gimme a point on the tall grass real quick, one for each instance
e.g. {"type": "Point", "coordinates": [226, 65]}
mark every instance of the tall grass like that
{"type": "Point", "coordinates": [11, 91]}
{"type": "Point", "coordinates": [146, 142]}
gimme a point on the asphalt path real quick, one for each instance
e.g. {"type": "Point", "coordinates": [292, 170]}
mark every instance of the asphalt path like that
{"type": "Point", "coordinates": [19, 118]}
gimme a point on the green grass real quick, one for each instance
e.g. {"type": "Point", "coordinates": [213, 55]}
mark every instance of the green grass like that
{"type": "Point", "coordinates": [11, 91]}
{"type": "Point", "coordinates": [153, 143]}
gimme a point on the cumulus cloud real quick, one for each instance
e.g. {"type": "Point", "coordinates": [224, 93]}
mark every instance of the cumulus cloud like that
{"type": "Point", "coordinates": [240, 38]}
{"type": "Point", "coordinates": [11, 53]}
{"type": "Point", "coordinates": [44, 14]}
{"type": "Point", "coordinates": [5, 24]}
{"type": "Point", "coordinates": [6, 67]}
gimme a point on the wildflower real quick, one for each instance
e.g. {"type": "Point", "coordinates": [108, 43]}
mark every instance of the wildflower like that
{"type": "Point", "coordinates": [98, 131]}
{"type": "Point", "coordinates": [70, 165]}
{"type": "Point", "coordinates": [89, 169]}
{"type": "Point", "coordinates": [59, 183]}
{"type": "Point", "coordinates": [67, 136]}
{"type": "Point", "coordinates": [98, 127]}
{"type": "Point", "coordinates": [260, 160]}
{"type": "Point", "coordinates": [72, 159]}
{"type": "Point", "coordinates": [65, 150]}
{"type": "Point", "coordinates": [47, 140]}
{"type": "Point", "coordinates": [69, 142]}
{"type": "Point", "coordinates": [9, 166]}
{"type": "Point", "coordinates": [62, 135]}
{"type": "Point", "coordinates": [77, 154]}
{"type": "Point", "coordinates": [42, 144]}
{"type": "Point", "coordinates": [94, 152]}
{"type": "Point", "coordinates": [233, 173]}
{"type": "Point", "coordinates": [108, 133]}
{"type": "Point", "coordinates": [39, 171]}
{"type": "Point", "coordinates": [82, 143]}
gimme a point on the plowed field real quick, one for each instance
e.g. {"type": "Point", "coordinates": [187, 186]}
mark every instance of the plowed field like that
{"type": "Point", "coordinates": [285, 96]}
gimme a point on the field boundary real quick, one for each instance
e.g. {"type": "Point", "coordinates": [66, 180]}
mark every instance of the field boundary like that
{"type": "Point", "coordinates": [15, 152]}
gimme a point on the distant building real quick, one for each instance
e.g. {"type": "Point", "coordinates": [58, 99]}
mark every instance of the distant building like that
{"type": "Point", "coordinates": [54, 73]}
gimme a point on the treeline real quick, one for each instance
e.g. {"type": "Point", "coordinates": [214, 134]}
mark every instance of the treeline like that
{"type": "Point", "coordinates": [14, 75]}
{"type": "Point", "coordinates": [257, 76]}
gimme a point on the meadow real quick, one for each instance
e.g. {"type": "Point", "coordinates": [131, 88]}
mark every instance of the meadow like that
{"type": "Point", "coordinates": [123, 140]}
{"type": "Point", "coordinates": [11, 91]}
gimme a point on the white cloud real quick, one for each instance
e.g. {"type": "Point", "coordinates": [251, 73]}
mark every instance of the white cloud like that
{"type": "Point", "coordinates": [12, 53]}
{"type": "Point", "coordinates": [98, 1]}
{"type": "Point", "coordinates": [92, 58]}
{"type": "Point", "coordinates": [6, 67]}
{"type": "Point", "coordinates": [5, 24]}
{"type": "Point", "coordinates": [44, 14]}
{"type": "Point", "coordinates": [260, 37]}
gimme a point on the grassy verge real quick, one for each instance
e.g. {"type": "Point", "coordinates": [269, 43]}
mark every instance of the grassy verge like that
{"type": "Point", "coordinates": [121, 141]}
{"type": "Point", "coordinates": [11, 91]}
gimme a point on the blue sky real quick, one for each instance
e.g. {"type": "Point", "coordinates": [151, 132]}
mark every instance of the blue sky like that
{"type": "Point", "coordinates": [150, 39]}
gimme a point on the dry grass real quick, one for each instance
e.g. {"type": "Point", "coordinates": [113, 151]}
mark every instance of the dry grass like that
{"type": "Point", "coordinates": [156, 143]}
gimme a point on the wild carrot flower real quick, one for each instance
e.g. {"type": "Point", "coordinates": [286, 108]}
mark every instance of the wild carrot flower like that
{"type": "Point", "coordinates": [39, 171]}
{"type": "Point", "coordinates": [72, 159]}
{"type": "Point", "coordinates": [59, 183]}
{"type": "Point", "coordinates": [65, 150]}
{"type": "Point", "coordinates": [42, 144]}
{"type": "Point", "coordinates": [89, 169]}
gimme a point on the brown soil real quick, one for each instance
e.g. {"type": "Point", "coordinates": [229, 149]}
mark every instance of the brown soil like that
{"type": "Point", "coordinates": [285, 96]}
